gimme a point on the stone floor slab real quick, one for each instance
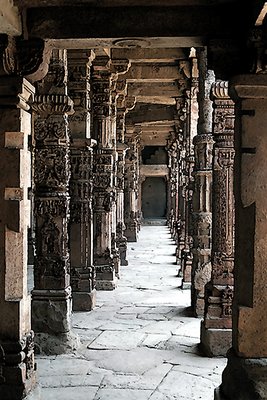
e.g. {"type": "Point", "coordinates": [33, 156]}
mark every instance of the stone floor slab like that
{"type": "Point", "coordinates": [117, 340]}
{"type": "Point", "coordinates": [77, 393]}
{"type": "Point", "coordinates": [122, 394]}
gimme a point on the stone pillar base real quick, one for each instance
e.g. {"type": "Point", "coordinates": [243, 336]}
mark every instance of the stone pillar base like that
{"type": "Point", "coordinates": [131, 235]}
{"type": "Point", "coordinates": [186, 266]}
{"type": "Point", "coordinates": [105, 278]}
{"type": "Point", "coordinates": [215, 342]}
{"type": "Point", "coordinates": [124, 262]}
{"type": "Point", "coordinates": [218, 395]}
{"type": "Point", "coordinates": [185, 285]}
{"type": "Point", "coordinates": [83, 301]}
{"type": "Point", "coordinates": [51, 311]}
{"type": "Point", "coordinates": [243, 379]}
{"type": "Point", "coordinates": [17, 368]}
{"type": "Point", "coordinates": [17, 390]}
{"type": "Point", "coordinates": [62, 343]}
{"type": "Point", "coordinates": [117, 264]}
{"type": "Point", "coordinates": [35, 394]}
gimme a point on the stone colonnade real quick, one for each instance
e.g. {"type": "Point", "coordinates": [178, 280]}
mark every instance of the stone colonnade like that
{"type": "Point", "coordinates": [86, 175]}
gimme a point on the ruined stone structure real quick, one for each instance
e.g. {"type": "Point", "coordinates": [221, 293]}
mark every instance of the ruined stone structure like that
{"type": "Point", "coordinates": [122, 111]}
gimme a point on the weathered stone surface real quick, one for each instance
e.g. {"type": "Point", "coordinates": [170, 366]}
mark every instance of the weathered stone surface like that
{"type": "Point", "coordinates": [117, 340]}
{"type": "Point", "coordinates": [57, 344]}
{"type": "Point", "coordinates": [215, 342]}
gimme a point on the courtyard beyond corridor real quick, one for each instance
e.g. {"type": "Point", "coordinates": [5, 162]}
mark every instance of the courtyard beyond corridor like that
{"type": "Point", "coordinates": [139, 342]}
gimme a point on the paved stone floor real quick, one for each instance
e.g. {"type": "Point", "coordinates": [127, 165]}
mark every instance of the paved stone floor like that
{"type": "Point", "coordinates": [140, 341]}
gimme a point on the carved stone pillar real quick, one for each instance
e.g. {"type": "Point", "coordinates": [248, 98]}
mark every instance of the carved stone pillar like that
{"type": "Point", "coordinates": [122, 104]}
{"type": "Point", "coordinates": [202, 217]}
{"type": "Point", "coordinates": [81, 181]}
{"type": "Point", "coordinates": [121, 238]}
{"type": "Point", "coordinates": [131, 188]}
{"type": "Point", "coordinates": [189, 161]}
{"type": "Point", "coordinates": [216, 333]}
{"type": "Point", "coordinates": [17, 367]}
{"type": "Point", "coordinates": [104, 191]}
{"type": "Point", "coordinates": [81, 225]}
{"type": "Point", "coordinates": [245, 374]}
{"type": "Point", "coordinates": [173, 152]}
{"type": "Point", "coordinates": [51, 296]}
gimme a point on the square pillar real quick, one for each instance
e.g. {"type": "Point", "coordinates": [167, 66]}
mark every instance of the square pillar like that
{"type": "Point", "coordinates": [17, 367]}
{"type": "Point", "coordinates": [245, 375]}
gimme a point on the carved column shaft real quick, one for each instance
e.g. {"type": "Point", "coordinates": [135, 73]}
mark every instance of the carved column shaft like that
{"type": "Point", "coordinates": [51, 297]}
{"type": "Point", "coordinates": [104, 194]}
{"type": "Point", "coordinates": [191, 131]}
{"type": "Point", "coordinates": [202, 217]}
{"type": "Point", "coordinates": [81, 181]}
{"type": "Point", "coordinates": [17, 367]}
{"type": "Point", "coordinates": [173, 151]}
{"type": "Point", "coordinates": [81, 225]}
{"type": "Point", "coordinates": [131, 188]}
{"type": "Point", "coordinates": [121, 238]}
{"type": "Point", "coordinates": [216, 335]}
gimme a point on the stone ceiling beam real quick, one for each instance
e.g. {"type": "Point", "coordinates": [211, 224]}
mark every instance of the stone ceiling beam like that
{"type": "Point", "coordinates": [151, 113]}
{"type": "Point", "coordinates": [153, 73]}
{"type": "Point", "coordinates": [156, 100]}
{"type": "Point", "coordinates": [63, 22]}
{"type": "Point", "coordinates": [119, 3]}
{"type": "Point", "coordinates": [157, 93]}
{"type": "Point", "coordinates": [150, 55]}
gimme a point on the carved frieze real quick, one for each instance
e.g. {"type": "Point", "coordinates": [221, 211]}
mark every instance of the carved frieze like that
{"type": "Point", "coordinates": [203, 151]}
{"type": "Point", "coordinates": [52, 168]}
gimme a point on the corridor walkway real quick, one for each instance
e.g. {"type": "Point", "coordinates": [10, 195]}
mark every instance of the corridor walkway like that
{"type": "Point", "coordinates": [140, 342]}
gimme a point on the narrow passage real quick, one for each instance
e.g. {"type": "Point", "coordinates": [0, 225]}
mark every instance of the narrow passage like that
{"type": "Point", "coordinates": [139, 342]}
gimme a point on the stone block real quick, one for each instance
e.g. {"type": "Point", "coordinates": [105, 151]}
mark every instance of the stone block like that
{"type": "Point", "coordinates": [51, 315]}
{"type": "Point", "coordinates": [83, 301]}
{"type": "Point", "coordinates": [215, 342]}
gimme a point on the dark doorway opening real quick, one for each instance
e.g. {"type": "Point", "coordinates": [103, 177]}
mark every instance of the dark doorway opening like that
{"type": "Point", "coordinates": [154, 198]}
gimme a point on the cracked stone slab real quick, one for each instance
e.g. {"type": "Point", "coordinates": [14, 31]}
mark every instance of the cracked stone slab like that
{"type": "Point", "coordinates": [71, 380]}
{"type": "Point", "coordinates": [69, 393]}
{"type": "Point", "coordinates": [191, 328]}
{"type": "Point", "coordinates": [148, 381]}
{"type": "Point", "coordinates": [180, 343]}
{"type": "Point", "coordinates": [153, 340]}
{"type": "Point", "coordinates": [132, 310]}
{"type": "Point", "coordinates": [187, 386]}
{"type": "Point", "coordinates": [117, 340]}
{"type": "Point", "coordinates": [62, 365]}
{"type": "Point", "coordinates": [137, 361]}
{"type": "Point", "coordinates": [122, 394]}
{"type": "Point", "coordinates": [123, 325]}
{"type": "Point", "coordinates": [162, 327]}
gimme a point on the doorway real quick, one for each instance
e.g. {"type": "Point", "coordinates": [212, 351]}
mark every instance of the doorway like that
{"type": "Point", "coordinates": [154, 198]}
